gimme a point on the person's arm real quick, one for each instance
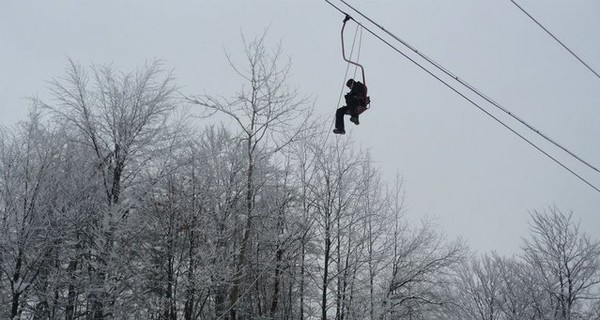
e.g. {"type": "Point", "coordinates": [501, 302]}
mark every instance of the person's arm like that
{"type": "Point", "coordinates": [358, 89]}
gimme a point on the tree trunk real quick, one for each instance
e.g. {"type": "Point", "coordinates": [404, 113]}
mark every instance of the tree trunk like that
{"type": "Point", "coordinates": [325, 277]}
{"type": "Point", "coordinates": [276, 283]}
{"type": "Point", "coordinates": [302, 271]}
{"type": "Point", "coordinates": [191, 290]}
{"type": "Point", "coordinates": [239, 275]}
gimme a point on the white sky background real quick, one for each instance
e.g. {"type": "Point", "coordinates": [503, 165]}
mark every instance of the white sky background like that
{"type": "Point", "coordinates": [476, 179]}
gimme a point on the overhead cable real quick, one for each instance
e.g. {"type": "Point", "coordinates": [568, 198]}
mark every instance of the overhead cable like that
{"type": "Point", "coordinates": [474, 90]}
{"type": "Point", "coordinates": [461, 94]}
{"type": "Point", "coordinates": [557, 40]}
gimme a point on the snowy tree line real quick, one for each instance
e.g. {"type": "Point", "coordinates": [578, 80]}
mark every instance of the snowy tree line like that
{"type": "Point", "coordinates": [112, 207]}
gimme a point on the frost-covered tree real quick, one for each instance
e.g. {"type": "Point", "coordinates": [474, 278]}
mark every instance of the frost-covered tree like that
{"type": "Point", "coordinates": [121, 122]}
{"type": "Point", "coordinates": [479, 286]}
{"type": "Point", "coordinates": [30, 230]}
{"type": "Point", "coordinates": [269, 116]}
{"type": "Point", "coordinates": [564, 261]}
{"type": "Point", "coordinates": [419, 273]}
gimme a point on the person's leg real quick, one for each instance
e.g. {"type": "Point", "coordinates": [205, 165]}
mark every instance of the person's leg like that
{"type": "Point", "coordinates": [339, 117]}
{"type": "Point", "coordinates": [353, 110]}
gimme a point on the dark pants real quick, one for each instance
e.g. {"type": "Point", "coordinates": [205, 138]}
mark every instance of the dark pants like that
{"type": "Point", "coordinates": [339, 115]}
{"type": "Point", "coordinates": [350, 108]}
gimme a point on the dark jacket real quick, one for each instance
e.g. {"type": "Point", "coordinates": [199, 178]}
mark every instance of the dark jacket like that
{"type": "Point", "coordinates": [358, 90]}
{"type": "Point", "coordinates": [357, 95]}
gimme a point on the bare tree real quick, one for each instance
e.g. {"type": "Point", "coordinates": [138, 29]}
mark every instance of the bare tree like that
{"type": "Point", "coordinates": [123, 121]}
{"type": "Point", "coordinates": [270, 116]}
{"type": "Point", "coordinates": [421, 267]}
{"type": "Point", "coordinates": [519, 294]}
{"type": "Point", "coordinates": [335, 205]}
{"type": "Point", "coordinates": [30, 158]}
{"type": "Point", "coordinates": [342, 197]}
{"type": "Point", "coordinates": [362, 239]}
{"type": "Point", "coordinates": [382, 230]}
{"type": "Point", "coordinates": [216, 174]}
{"type": "Point", "coordinates": [479, 288]}
{"type": "Point", "coordinates": [307, 156]}
{"type": "Point", "coordinates": [565, 261]}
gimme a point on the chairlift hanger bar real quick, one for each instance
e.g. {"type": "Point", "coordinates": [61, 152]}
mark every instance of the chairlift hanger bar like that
{"type": "Point", "coordinates": [362, 70]}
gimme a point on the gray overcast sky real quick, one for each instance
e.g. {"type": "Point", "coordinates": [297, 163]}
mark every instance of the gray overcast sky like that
{"type": "Point", "coordinates": [477, 179]}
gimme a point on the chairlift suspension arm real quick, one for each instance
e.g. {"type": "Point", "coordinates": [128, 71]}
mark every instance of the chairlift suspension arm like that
{"type": "Point", "coordinates": [362, 70]}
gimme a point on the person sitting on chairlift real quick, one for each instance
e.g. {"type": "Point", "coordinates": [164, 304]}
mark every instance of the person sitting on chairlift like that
{"type": "Point", "coordinates": [356, 103]}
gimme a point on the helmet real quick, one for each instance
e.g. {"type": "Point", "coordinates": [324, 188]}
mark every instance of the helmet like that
{"type": "Point", "coordinates": [350, 82]}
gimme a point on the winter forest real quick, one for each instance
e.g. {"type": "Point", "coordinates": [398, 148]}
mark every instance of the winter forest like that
{"type": "Point", "coordinates": [115, 205]}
